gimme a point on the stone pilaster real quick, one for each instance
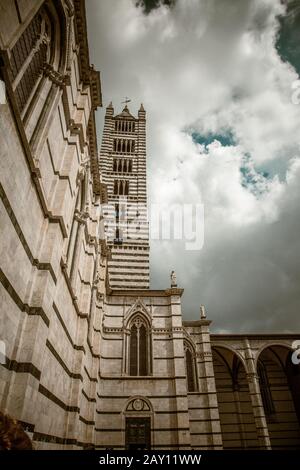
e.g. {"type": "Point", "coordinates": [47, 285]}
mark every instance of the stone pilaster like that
{"type": "Point", "coordinates": [207, 385]}
{"type": "Point", "coordinates": [180, 389]}
{"type": "Point", "coordinates": [257, 405]}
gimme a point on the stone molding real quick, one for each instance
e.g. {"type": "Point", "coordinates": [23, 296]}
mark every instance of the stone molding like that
{"type": "Point", "coordinates": [204, 355]}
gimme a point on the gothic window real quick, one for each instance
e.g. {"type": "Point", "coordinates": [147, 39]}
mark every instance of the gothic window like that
{"type": "Point", "coordinates": [139, 345]}
{"type": "Point", "coordinates": [121, 187]}
{"type": "Point", "coordinates": [28, 57]}
{"type": "Point", "coordinates": [117, 233]}
{"type": "Point", "coordinates": [265, 390]}
{"type": "Point", "coordinates": [190, 366]}
{"type": "Point", "coordinates": [124, 126]}
{"type": "Point", "coordinates": [117, 209]}
{"type": "Point", "coordinates": [126, 188]}
{"type": "Point", "coordinates": [124, 145]}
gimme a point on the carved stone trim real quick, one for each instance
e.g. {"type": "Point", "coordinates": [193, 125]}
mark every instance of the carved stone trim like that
{"type": "Point", "coordinates": [56, 77]}
{"type": "Point", "coordinates": [138, 404]}
{"type": "Point", "coordinates": [81, 217]}
{"type": "Point", "coordinates": [167, 330]}
{"type": "Point", "coordinates": [107, 329]}
{"type": "Point", "coordinates": [174, 291]}
{"type": "Point", "coordinates": [204, 355]}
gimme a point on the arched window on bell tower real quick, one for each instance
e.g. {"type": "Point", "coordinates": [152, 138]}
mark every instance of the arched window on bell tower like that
{"type": "Point", "coordinates": [139, 347]}
{"type": "Point", "coordinates": [190, 367]}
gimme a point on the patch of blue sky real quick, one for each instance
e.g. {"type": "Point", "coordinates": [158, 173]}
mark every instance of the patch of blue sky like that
{"type": "Point", "coordinates": [226, 138]}
{"type": "Point", "coordinates": [253, 179]}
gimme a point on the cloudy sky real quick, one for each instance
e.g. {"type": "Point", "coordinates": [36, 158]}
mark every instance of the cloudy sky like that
{"type": "Point", "coordinates": [218, 79]}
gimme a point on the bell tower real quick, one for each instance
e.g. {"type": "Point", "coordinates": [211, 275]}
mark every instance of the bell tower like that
{"type": "Point", "coordinates": [123, 169]}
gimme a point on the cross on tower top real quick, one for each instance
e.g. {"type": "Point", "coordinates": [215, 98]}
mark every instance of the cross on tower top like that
{"type": "Point", "coordinates": [127, 100]}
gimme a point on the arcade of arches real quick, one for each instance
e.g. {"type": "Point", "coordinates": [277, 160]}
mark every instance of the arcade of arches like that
{"type": "Point", "coordinates": [279, 384]}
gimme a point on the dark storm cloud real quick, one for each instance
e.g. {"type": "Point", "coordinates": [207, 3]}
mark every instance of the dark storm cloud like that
{"type": "Point", "coordinates": [149, 5]}
{"type": "Point", "coordinates": [288, 43]}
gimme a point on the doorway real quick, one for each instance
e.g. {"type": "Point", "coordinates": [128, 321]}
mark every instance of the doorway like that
{"type": "Point", "coordinates": [137, 434]}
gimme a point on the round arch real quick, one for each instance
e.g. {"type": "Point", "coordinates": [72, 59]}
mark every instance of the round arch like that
{"type": "Point", "coordinates": [137, 406]}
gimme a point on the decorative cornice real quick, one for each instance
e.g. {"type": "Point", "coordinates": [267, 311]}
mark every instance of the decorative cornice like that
{"type": "Point", "coordinates": [175, 329]}
{"type": "Point", "coordinates": [156, 331]}
{"type": "Point", "coordinates": [142, 292]}
{"type": "Point", "coordinates": [87, 73]}
{"type": "Point", "coordinates": [174, 291]}
{"type": "Point", "coordinates": [204, 355]}
{"type": "Point", "coordinates": [89, 77]}
{"type": "Point", "coordinates": [254, 336]}
{"type": "Point", "coordinates": [107, 329]}
{"type": "Point", "coordinates": [197, 323]}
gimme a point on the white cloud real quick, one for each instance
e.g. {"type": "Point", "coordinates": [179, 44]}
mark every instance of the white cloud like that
{"type": "Point", "coordinates": [212, 67]}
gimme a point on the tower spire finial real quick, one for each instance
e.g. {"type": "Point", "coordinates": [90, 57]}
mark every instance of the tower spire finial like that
{"type": "Point", "coordinates": [109, 110]}
{"type": "Point", "coordinates": [127, 100]}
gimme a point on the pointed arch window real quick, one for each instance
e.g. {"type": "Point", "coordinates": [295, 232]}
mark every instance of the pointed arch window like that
{"type": "Point", "coordinates": [190, 367]}
{"type": "Point", "coordinates": [139, 348]}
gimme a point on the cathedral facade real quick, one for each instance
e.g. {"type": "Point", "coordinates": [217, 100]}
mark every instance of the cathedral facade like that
{"type": "Point", "coordinates": [90, 355]}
